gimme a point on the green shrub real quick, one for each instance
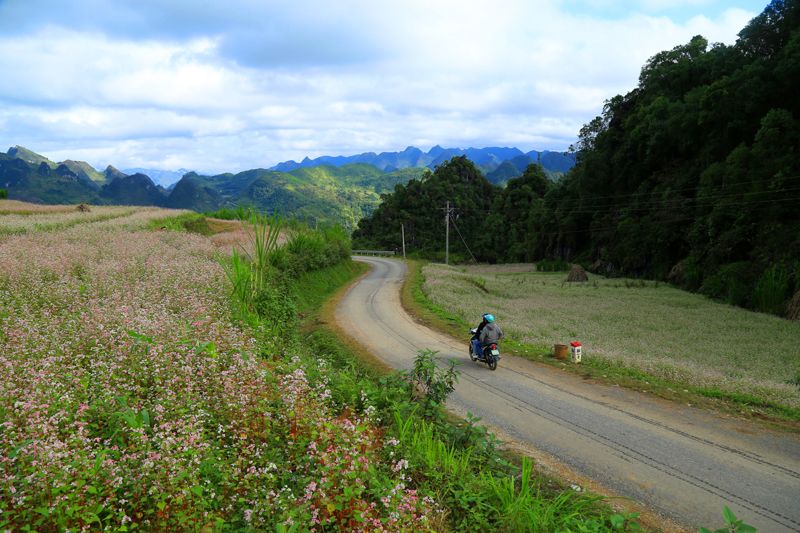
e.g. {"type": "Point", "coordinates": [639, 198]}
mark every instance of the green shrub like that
{"type": "Point", "coordinates": [198, 225]}
{"type": "Point", "coordinates": [552, 265]}
{"type": "Point", "coordinates": [691, 275]}
{"type": "Point", "coordinates": [732, 524]}
{"type": "Point", "coordinates": [731, 283]}
{"type": "Point", "coordinates": [309, 250]}
{"type": "Point", "coordinates": [237, 213]}
{"type": "Point", "coordinates": [275, 304]}
{"type": "Point", "coordinates": [772, 290]}
{"type": "Point", "coordinates": [430, 384]}
{"type": "Point", "coordinates": [191, 222]}
{"type": "Point", "coordinates": [3, 194]}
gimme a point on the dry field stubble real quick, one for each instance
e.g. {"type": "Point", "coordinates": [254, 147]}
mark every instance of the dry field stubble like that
{"type": "Point", "coordinates": [665, 332]}
{"type": "Point", "coordinates": [16, 207]}
{"type": "Point", "coordinates": [20, 218]}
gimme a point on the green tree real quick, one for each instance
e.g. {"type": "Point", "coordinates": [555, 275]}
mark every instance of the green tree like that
{"type": "Point", "coordinates": [419, 206]}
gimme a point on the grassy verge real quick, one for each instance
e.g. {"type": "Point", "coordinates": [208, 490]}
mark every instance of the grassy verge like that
{"type": "Point", "coordinates": [604, 370]}
{"type": "Point", "coordinates": [458, 461]}
{"type": "Point", "coordinates": [415, 302]}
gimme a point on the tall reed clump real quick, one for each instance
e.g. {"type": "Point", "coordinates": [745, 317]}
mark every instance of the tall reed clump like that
{"type": "Point", "coordinates": [262, 295]}
{"type": "Point", "coordinates": [263, 275]}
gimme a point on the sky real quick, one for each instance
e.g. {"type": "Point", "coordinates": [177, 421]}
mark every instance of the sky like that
{"type": "Point", "coordinates": [224, 86]}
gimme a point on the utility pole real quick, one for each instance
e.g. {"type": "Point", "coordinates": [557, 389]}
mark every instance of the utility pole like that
{"type": "Point", "coordinates": [447, 234]}
{"type": "Point", "coordinates": [403, 233]}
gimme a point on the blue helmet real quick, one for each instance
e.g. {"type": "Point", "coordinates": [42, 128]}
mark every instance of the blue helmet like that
{"type": "Point", "coordinates": [488, 317]}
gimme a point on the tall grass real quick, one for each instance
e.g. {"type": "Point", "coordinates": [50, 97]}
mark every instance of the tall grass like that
{"type": "Point", "coordinates": [263, 242]}
{"type": "Point", "coordinates": [772, 290]}
{"type": "Point", "coordinates": [482, 495]}
{"type": "Point", "coordinates": [249, 270]}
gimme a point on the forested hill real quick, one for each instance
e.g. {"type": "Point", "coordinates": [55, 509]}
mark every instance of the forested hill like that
{"type": "Point", "coordinates": [693, 176]}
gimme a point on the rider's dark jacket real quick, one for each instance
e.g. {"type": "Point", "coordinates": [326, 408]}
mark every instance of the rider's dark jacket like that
{"type": "Point", "coordinates": [488, 333]}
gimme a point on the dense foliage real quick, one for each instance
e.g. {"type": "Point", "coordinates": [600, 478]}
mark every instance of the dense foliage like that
{"type": "Point", "coordinates": [420, 206]}
{"type": "Point", "coordinates": [692, 176]}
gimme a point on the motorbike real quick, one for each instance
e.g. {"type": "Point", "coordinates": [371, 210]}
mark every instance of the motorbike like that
{"type": "Point", "coordinates": [490, 355]}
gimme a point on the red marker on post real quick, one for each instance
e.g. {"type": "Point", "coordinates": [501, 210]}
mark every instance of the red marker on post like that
{"type": "Point", "coordinates": [575, 351]}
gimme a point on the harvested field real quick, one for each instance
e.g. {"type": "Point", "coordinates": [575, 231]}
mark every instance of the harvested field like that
{"type": "Point", "coordinates": [20, 218]}
{"type": "Point", "coordinates": [665, 332]}
{"type": "Point", "coordinates": [15, 207]}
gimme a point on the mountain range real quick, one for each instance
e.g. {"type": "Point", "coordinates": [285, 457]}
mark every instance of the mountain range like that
{"type": "Point", "coordinates": [341, 189]}
{"type": "Point", "coordinates": [486, 159]}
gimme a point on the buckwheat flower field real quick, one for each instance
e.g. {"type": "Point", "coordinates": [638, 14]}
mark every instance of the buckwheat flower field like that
{"type": "Point", "coordinates": [668, 333]}
{"type": "Point", "coordinates": [21, 222]}
{"type": "Point", "coordinates": [24, 208]}
{"type": "Point", "coordinates": [129, 399]}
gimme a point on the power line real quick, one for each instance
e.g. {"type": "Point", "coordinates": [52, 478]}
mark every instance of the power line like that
{"type": "Point", "coordinates": [687, 203]}
{"type": "Point", "coordinates": [694, 188]}
{"type": "Point", "coordinates": [703, 198]}
{"type": "Point", "coordinates": [465, 242]}
{"type": "Point", "coordinates": [685, 218]}
{"type": "Point", "coordinates": [676, 220]}
{"type": "Point", "coordinates": [675, 203]}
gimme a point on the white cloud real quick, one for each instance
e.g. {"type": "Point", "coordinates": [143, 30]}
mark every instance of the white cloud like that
{"type": "Point", "coordinates": [250, 84]}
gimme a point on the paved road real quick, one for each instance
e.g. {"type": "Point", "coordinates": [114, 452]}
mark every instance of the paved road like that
{"type": "Point", "coordinates": [685, 463]}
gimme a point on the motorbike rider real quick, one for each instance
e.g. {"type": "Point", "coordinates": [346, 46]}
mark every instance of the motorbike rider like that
{"type": "Point", "coordinates": [487, 332]}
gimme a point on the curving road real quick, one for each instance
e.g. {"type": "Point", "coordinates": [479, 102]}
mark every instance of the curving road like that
{"type": "Point", "coordinates": [684, 463]}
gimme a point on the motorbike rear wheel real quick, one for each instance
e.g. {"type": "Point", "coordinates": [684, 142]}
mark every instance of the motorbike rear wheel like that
{"type": "Point", "coordinates": [492, 362]}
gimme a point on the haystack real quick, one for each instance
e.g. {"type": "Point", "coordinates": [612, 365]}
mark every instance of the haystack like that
{"type": "Point", "coordinates": [83, 208]}
{"type": "Point", "coordinates": [577, 273]}
{"type": "Point", "coordinates": [793, 309]}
